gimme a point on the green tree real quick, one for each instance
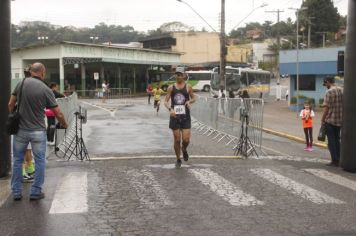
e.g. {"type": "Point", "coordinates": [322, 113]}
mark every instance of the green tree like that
{"type": "Point", "coordinates": [323, 15]}
{"type": "Point", "coordinates": [28, 33]}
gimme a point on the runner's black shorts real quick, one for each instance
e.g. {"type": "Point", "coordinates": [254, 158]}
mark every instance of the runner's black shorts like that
{"type": "Point", "coordinates": [179, 123]}
{"type": "Point", "coordinates": [156, 103]}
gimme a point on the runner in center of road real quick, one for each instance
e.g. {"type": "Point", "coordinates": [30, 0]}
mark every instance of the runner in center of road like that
{"type": "Point", "coordinates": [181, 96]}
{"type": "Point", "coordinates": [157, 93]}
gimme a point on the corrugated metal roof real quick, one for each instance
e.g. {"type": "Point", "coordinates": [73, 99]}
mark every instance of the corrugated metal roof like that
{"type": "Point", "coordinates": [92, 45]}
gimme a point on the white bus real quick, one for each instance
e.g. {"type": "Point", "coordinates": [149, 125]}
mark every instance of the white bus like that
{"type": "Point", "coordinates": [255, 81]}
{"type": "Point", "coordinates": [200, 80]}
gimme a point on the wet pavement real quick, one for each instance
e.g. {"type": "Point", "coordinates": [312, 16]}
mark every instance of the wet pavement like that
{"type": "Point", "coordinates": [131, 186]}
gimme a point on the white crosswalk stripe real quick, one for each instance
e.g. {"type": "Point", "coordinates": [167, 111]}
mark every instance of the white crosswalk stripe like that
{"type": "Point", "coordinates": [296, 188]}
{"type": "Point", "coordinates": [148, 189]}
{"type": "Point", "coordinates": [71, 196]}
{"type": "Point", "coordinates": [334, 178]}
{"type": "Point", "coordinates": [224, 188]}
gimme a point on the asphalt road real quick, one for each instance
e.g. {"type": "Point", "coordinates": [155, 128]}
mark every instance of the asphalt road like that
{"type": "Point", "coordinates": [131, 186]}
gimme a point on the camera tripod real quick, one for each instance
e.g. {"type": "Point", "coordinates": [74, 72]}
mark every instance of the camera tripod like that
{"type": "Point", "coordinates": [73, 143]}
{"type": "Point", "coordinates": [244, 146]}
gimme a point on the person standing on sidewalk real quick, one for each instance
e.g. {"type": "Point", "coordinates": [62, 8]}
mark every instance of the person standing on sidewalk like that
{"type": "Point", "coordinates": [35, 97]}
{"type": "Point", "coordinates": [307, 115]}
{"type": "Point", "coordinates": [54, 88]}
{"type": "Point", "coordinates": [51, 119]}
{"type": "Point", "coordinates": [332, 118]}
{"type": "Point", "coordinates": [181, 96]}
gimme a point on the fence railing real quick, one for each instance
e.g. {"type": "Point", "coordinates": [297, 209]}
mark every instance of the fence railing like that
{"type": "Point", "coordinates": [111, 94]}
{"type": "Point", "coordinates": [68, 105]}
{"type": "Point", "coordinates": [220, 118]}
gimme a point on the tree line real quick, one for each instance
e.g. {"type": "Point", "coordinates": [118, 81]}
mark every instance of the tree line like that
{"type": "Point", "coordinates": [320, 16]}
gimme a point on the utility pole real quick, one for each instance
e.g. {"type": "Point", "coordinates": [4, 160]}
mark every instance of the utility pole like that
{"type": "Point", "coordinates": [324, 34]}
{"type": "Point", "coordinates": [309, 30]}
{"type": "Point", "coordinates": [297, 57]}
{"type": "Point", "coordinates": [5, 68]}
{"type": "Point", "coordinates": [279, 92]}
{"type": "Point", "coordinates": [348, 147]}
{"type": "Point", "coordinates": [223, 50]}
{"type": "Point", "coordinates": [278, 11]}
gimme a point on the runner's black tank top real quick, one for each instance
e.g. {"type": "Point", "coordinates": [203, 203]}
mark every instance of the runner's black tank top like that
{"type": "Point", "coordinates": [180, 97]}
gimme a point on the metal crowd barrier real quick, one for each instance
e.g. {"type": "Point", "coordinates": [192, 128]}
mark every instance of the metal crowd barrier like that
{"type": "Point", "coordinates": [220, 119]}
{"type": "Point", "coordinates": [69, 106]}
{"type": "Point", "coordinates": [73, 142]}
{"type": "Point", "coordinates": [114, 95]}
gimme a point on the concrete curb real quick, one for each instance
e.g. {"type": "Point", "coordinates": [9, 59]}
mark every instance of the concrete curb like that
{"type": "Point", "coordinates": [292, 137]}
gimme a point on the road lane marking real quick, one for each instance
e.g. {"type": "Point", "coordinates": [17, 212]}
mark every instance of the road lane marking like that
{"type": "Point", "coordinates": [148, 189]}
{"type": "Point", "coordinates": [72, 194]}
{"type": "Point", "coordinates": [173, 166]}
{"type": "Point", "coordinates": [278, 158]}
{"type": "Point", "coordinates": [296, 188]}
{"type": "Point", "coordinates": [161, 157]}
{"type": "Point", "coordinates": [334, 178]}
{"type": "Point", "coordinates": [224, 188]}
{"type": "Point", "coordinates": [167, 166]}
{"type": "Point", "coordinates": [112, 113]}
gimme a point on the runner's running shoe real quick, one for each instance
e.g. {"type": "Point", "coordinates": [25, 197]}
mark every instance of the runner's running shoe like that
{"type": "Point", "coordinates": [185, 156]}
{"type": "Point", "coordinates": [179, 163]}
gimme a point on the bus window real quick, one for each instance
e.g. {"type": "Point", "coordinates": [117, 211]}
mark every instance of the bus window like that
{"type": "Point", "coordinates": [214, 83]}
{"type": "Point", "coordinates": [251, 78]}
{"type": "Point", "coordinates": [243, 79]}
{"type": "Point", "coordinates": [232, 81]}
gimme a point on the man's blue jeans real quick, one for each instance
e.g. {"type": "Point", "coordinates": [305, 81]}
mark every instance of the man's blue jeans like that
{"type": "Point", "coordinates": [21, 140]}
{"type": "Point", "coordinates": [333, 134]}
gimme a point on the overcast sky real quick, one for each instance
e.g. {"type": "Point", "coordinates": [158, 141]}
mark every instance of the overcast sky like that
{"type": "Point", "coordinates": [146, 15]}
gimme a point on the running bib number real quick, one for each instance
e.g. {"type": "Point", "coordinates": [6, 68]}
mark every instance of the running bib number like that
{"type": "Point", "coordinates": [179, 109]}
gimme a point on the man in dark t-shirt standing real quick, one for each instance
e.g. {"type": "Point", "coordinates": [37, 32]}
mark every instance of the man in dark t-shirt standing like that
{"type": "Point", "coordinates": [35, 97]}
{"type": "Point", "coordinates": [181, 96]}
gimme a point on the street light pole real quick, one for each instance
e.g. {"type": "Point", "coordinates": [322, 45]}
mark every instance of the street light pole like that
{"type": "Point", "coordinates": [5, 68]}
{"type": "Point", "coordinates": [43, 38]}
{"type": "Point", "coordinates": [222, 37]}
{"type": "Point", "coordinates": [297, 62]}
{"type": "Point", "coordinates": [197, 14]}
{"type": "Point", "coordinates": [254, 9]}
{"type": "Point", "coordinates": [93, 38]}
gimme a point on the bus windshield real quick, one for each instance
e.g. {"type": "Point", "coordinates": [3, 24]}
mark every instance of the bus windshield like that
{"type": "Point", "coordinates": [200, 80]}
{"type": "Point", "coordinates": [256, 82]}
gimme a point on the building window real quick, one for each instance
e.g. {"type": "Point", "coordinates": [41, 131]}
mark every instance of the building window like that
{"type": "Point", "coordinates": [306, 82]}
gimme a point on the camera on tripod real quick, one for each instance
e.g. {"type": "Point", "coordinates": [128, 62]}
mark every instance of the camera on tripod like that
{"type": "Point", "coordinates": [81, 115]}
{"type": "Point", "coordinates": [73, 143]}
{"type": "Point", "coordinates": [244, 113]}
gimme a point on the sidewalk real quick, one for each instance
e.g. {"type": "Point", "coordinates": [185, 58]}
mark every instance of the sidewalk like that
{"type": "Point", "coordinates": [279, 120]}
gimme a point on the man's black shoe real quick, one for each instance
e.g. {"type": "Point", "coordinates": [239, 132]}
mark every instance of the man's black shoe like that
{"type": "Point", "coordinates": [179, 163]}
{"type": "Point", "coordinates": [17, 197]}
{"type": "Point", "coordinates": [185, 156]}
{"type": "Point", "coordinates": [38, 196]}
